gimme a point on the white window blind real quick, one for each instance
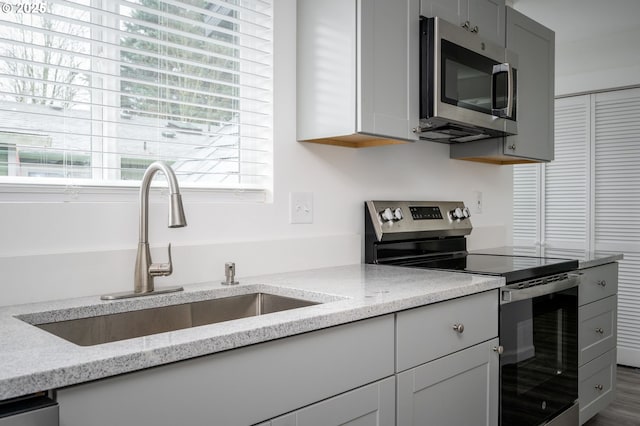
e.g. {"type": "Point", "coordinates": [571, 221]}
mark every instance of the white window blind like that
{"type": "Point", "coordinates": [93, 91]}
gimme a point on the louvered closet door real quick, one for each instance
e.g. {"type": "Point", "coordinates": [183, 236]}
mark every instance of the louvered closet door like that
{"type": "Point", "coordinates": [526, 204]}
{"type": "Point", "coordinates": [617, 205]}
{"type": "Point", "coordinates": [566, 179]}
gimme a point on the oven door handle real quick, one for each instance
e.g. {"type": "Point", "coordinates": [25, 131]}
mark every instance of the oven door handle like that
{"type": "Point", "coordinates": [509, 295]}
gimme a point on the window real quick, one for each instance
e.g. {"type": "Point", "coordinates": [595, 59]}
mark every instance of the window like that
{"type": "Point", "coordinates": [93, 91]}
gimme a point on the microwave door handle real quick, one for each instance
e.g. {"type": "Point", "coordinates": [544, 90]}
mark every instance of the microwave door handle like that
{"type": "Point", "coordinates": [508, 111]}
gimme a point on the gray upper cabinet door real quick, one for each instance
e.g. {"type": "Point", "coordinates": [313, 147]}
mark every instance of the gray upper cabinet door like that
{"type": "Point", "coordinates": [459, 389]}
{"type": "Point", "coordinates": [454, 11]}
{"type": "Point", "coordinates": [535, 46]}
{"type": "Point", "coordinates": [357, 71]}
{"type": "Point", "coordinates": [389, 43]}
{"type": "Point", "coordinates": [372, 405]}
{"type": "Point", "coordinates": [484, 17]}
{"type": "Point", "coordinates": [489, 18]}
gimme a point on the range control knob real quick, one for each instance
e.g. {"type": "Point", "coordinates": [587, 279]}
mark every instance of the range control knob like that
{"type": "Point", "coordinates": [466, 213]}
{"type": "Point", "coordinates": [397, 214]}
{"type": "Point", "coordinates": [456, 213]}
{"type": "Point", "coordinates": [386, 215]}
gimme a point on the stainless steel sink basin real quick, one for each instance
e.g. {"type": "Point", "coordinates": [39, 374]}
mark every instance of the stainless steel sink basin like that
{"type": "Point", "coordinates": [127, 325]}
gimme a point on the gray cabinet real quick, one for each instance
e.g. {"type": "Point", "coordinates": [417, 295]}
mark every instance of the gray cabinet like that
{"type": "Point", "coordinates": [597, 334]}
{"type": "Point", "coordinates": [343, 375]}
{"type": "Point", "coordinates": [535, 46]}
{"type": "Point", "coordinates": [429, 332]}
{"type": "Point", "coordinates": [371, 405]}
{"type": "Point", "coordinates": [357, 71]}
{"type": "Point", "coordinates": [484, 17]}
{"type": "Point", "coordinates": [447, 364]}
{"type": "Point", "coordinates": [459, 389]}
{"type": "Point", "coordinates": [239, 387]}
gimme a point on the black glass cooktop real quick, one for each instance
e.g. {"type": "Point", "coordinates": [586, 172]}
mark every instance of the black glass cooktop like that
{"type": "Point", "coordinates": [512, 268]}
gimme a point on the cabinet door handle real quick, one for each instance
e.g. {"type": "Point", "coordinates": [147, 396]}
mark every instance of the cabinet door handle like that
{"type": "Point", "coordinates": [458, 327]}
{"type": "Point", "coordinates": [498, 349]}
{"type": "Point", "coordinates": [599, 387]}
{"type": "Point", "coordinates": [599, 330]}
{"type": "Point", "coordinates": [602, 283]}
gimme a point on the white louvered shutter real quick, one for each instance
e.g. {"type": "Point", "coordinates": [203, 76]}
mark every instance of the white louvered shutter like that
{"type": "Point", "coordinates": [526, 204]}
{"type": "Point", "coordinates": [617, 205]}
{"type": "Point", "coordinates": [95, 90]}
{"type": "Point", "coordinates": [567, 178]}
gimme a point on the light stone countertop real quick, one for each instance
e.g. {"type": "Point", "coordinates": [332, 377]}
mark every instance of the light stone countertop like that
{"type": "Point", "coordinates": [33, 360]}
{"type": "Point", "coordinates": [585, 258]}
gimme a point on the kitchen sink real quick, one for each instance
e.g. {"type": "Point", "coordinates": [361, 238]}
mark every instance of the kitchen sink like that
{"type": "Point", "coordinates": [126, 325]}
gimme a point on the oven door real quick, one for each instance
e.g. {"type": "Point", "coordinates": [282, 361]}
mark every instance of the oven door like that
{"type": "Point", "coordinates": [539, 363]}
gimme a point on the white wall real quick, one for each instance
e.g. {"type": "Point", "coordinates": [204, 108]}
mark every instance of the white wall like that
{"type": "Point", "coordinates": [601, 63]}
{"type": "Point", "coordinates": [597, 42]}
{"type": "Point", "coordinates": [60, 250]}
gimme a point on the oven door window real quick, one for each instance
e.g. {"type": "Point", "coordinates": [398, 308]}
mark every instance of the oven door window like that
{"type": "Point", "coordinates": [468, 80]}
{"type": "Point", "coordinates": [539, 365]}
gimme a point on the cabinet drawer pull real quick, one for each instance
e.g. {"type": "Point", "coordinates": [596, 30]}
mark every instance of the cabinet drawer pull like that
{"type": "Point", "coordinates": [599, 330]}
{"type": "Point", "coordinates": [599, 387]}
{"type": "Point", "coordinates": [458, 327]}
{"type": "Point", "coordinates": [602, 283]}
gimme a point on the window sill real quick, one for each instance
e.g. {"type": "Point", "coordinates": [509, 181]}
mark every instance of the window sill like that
{"type": "Point", "coordinates": [60, 193]}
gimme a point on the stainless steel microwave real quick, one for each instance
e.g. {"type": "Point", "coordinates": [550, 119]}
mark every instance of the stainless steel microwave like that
{"type": "Point", "coordinates": [468, 86]}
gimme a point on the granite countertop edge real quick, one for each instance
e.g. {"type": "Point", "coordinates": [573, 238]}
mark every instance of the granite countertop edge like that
{"type": "Point", "coordinates": [33, 360]}
{"type": "Point", "coordinates": [593, 262]}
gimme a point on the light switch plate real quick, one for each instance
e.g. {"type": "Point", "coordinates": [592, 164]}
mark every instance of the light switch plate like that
{"type": "Point", "coordinates": [301, 207]}
{"type": "Point", "coordinates": [477, 202]}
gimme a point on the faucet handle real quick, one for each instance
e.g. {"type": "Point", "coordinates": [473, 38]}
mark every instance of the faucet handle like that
{"type": "Point", "coordinates": [162, 269]}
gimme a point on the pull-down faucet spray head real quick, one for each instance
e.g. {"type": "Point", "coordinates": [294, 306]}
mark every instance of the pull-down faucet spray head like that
{"type": "Point", "coordinates": [176, 211]}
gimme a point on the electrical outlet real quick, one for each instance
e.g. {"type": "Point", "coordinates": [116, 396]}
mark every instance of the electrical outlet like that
{"type": "Point", "coordinates": [478, 202]}
{"type": "Point", "coordinates": [300, 207]}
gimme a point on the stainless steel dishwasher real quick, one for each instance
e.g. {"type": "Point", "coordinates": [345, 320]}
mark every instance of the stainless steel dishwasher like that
{"type": "Point", "coordinates": [37, 410]}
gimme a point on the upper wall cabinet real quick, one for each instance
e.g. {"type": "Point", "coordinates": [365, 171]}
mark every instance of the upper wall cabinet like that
{"type": "Point", "coordinates": [484, 17]}
{"type": "Point", "coordinates": [357, 71]}
{"type": "Point", "coordinates": [535, 46]}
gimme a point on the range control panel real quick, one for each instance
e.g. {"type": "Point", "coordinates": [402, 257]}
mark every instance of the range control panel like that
{"type": "Point", "coordinates": [393, 220]}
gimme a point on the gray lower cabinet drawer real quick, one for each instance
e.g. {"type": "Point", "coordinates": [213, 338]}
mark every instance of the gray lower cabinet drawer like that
{"type": "Point", "coordinates": [371, 405]}
{"type": "Point", "coordinates": [598, 282]}
{"type": "Point", "coordinates": [597, 385]}
{"type": "Point", "coordinates": [429, 332]}
{"type": "Point", "coordinates": [597, 329]}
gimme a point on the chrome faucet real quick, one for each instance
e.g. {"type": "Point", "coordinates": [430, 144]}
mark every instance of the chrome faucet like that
{"type": "Point", "coordinates": [145, 269]}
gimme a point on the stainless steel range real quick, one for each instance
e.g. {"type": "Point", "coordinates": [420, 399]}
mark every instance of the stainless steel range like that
{"type": "Point", "coordinates": [538, 305]}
